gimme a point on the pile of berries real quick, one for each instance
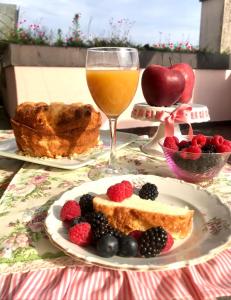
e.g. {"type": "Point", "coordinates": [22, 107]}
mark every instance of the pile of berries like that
{"type": "Point", "coordinates": [88, 227]}
{"type": "Point", "coordinates": [189, 154]}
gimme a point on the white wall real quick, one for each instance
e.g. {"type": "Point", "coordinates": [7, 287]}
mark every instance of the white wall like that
{"type": "Point", "coordinates": [212, 88]}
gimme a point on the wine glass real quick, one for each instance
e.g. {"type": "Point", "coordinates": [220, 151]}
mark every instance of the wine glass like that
{"type": "Point", "coordinates": [112, 78]}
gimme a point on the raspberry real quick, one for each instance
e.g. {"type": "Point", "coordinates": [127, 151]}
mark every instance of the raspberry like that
{"type": "Point", "coordinates": [70, 210]}
{"type": "Point", "coordinates": [81, 234]}
{"type": "Point", "coordinates": [192, 152]}
{"type": "Point", "coordinates": [170, 142]}
{"type": "Point", "coordinates": [120, 191]}
{"type": "Point", "coordinates": [176, 140]}
{"type": "Point", "coordinates": [209, 139]}
{"type": "Point", "coordinates": [169, 243]}
{"type": "Point", "coordinates": [223, 148]}
{"type": "Point", "coordinates": [217, 140]}
{"type": "Point", "coordinates": [128, 188]}
{"type": "Point", "coordinates": [227, 143]}
{"type": "Point", "coordinates": [116, 192]}
{"type": "Point", "coordinates": [199, 140]}
{"type": "Point", "coordinates": [136, 234]}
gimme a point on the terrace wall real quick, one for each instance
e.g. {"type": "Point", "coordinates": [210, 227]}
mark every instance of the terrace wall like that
{"type": "Point", "coordinates": [49, 84]}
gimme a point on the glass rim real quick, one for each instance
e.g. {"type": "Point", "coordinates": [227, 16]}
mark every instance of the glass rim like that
{"type": "Point", "coordinates": [161, 143]}
{"type": "Point", "coordinates": [115, 49]}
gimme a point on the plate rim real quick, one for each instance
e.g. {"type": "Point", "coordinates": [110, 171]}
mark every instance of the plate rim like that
{"type": "Point", "coordinates": [148, 267]}
{"type": "Point", "coordinates": [50, 162]}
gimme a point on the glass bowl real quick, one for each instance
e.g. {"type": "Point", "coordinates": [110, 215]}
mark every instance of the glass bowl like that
{"type": "Point", "coordinates": [194, 169]}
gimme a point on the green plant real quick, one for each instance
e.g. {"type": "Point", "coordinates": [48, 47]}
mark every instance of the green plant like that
{"type": "Point", "coordinates": [185, 47]}
{"type": "Point", "coordinates": [59, 40]}
{"type": "Point", "coordinates": [32, 34]}
{"type": "Point", "coordinates": [75, 39]}
{"type": "Point", "coordinates": [118, 36]}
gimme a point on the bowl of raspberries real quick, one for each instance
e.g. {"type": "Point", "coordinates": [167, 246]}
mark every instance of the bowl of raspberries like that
{"type": "Point", "coordinates": [198, 159]}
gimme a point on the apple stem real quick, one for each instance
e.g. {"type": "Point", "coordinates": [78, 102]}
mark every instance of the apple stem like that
{"type": "Point", "coordinates": [170, 60]}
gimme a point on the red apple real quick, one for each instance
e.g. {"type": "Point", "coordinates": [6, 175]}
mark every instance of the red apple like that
{"type": "Point", "coordinates": [189, 76]}
{"type": "Point", "coordinates": [162, 86]}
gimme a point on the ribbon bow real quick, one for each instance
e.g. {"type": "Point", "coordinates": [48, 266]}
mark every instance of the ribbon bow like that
{"type": "Point", "coordinates": [179, 115]}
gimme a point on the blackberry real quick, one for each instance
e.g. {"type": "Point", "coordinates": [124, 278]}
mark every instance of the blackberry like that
{"type": "Point", "coordinates": [77, 220]}
{"type": "Point", "coordinates": [115, 232]}
{"type": "Point", "coordinates": [152, 241]}
{"type": "Point", "coordinates": [100, 231]}
{"type": "Point", "coordinates": [106, 229]}
{"type": "Point", "coordinates": [96, 219]}
{"type": "Point", "coordinates": [86, 203]}
{"type": "Point", "coordinates": [209, 149]}
{"type": "Point", "coordinates": [201, 165]}
{"type": "Point", "coordinates": [148, 191]}
{"type": "Point", "coordinates": [184, 146]}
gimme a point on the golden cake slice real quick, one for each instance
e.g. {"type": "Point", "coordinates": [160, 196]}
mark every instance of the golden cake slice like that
{"type": "Point", "coordinates": [135, 213]}
{"type": "Point", "coordinates": [58, 129]}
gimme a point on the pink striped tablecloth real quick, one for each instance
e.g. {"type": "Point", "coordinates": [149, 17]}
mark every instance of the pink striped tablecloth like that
{"type": "Point", "coordinates": [36, 183]}
{"type": "Point", "coordinates": [204, 281]}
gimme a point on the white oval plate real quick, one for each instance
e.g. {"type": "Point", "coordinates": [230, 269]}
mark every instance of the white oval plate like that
{"type": "Point", "coordinates": [9, 148]}
{"type": "Point", "coordinates": [210, 235]}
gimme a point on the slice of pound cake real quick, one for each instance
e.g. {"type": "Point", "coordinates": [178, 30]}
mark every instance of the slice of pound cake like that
{"type": "Point", "coordinates": [134, 213]}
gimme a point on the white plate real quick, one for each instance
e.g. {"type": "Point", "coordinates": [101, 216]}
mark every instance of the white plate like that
{"type": "Point", "coordinates": [8, 148]}
{"type": "Point", "coordinates": [210, 234]}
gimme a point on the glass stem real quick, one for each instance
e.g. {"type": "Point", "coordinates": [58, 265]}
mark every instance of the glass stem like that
{"type": "Point", "coordinates": [113, 126]}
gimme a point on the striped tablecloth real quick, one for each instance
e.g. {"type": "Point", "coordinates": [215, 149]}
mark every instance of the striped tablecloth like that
{"type": "Point", "coordinates": [26, 273]}
{"type": "Point", "coordinates": [205, 281]}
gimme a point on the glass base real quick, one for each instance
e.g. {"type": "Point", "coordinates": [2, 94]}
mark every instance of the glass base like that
{"type": "Point", "coordinates": [103, 170]}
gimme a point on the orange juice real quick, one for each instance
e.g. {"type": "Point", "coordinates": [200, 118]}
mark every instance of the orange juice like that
{"type": "Point", "coordinates": [112, 89]}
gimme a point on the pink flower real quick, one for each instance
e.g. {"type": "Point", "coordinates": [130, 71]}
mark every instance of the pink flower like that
{"type": "Point", "coordinates": [9, 243]}
{"type": "Point", "coordinates": [39, 179]}
{"type": "Point", "coordinates": [22, 240]}
{"type": "Point", "coordinates": [11, 187]}
{"type": "Point", "coordinates": [40, 217]}
{"type": "Point", "coordinates": [24, 189]}
{"type": "Point", "coordinates": [41, 33]}
{"type": "Point", "coordinates": [65, 184]}
{"type": "Point", "coordinates": [36, 224]}
{"type": "Point", "coordinates": [36, 227]}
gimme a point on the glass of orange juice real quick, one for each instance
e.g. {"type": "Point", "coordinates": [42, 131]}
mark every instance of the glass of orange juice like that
{"type": "Point", "coordinates": [112, 78]}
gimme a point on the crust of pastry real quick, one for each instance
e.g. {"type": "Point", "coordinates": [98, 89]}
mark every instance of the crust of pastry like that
{"type": "Point", "coordinates": [43, 130]}
{"type": "Point", "coordinates": [128, 219]}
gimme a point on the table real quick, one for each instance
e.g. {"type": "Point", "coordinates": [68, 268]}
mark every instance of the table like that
{"type": "Point", "coordinates": [31, 268]}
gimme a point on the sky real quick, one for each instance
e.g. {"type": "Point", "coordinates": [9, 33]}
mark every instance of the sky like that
{"type": "Point", "coordinates": [151, 21]}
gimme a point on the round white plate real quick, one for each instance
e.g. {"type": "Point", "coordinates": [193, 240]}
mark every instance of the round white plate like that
{"type": "Point", "coordinates": [210, 235]}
